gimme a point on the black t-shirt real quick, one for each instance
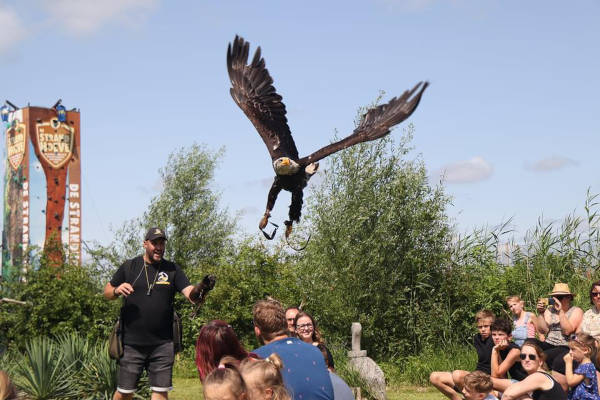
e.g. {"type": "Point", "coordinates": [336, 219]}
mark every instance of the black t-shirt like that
{"type": "Point", "coordinates": [484, 353]}
{"type": "Point", "coordinates": [554, 393]}
{"type": "Point", "coordinates": [148, 314]}
{"type": "Point", "coordinates": [516, 371]}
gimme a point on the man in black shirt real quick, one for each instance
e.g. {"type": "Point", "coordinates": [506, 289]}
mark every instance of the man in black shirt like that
{"type": "Point", "coordinates": [148, 283]}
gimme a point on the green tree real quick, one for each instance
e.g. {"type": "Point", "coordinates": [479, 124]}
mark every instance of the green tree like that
{"type": "Point", "coordinates": [379, 247]}
{"type": "Point", "coordinates": [59, 299]}
{"type": "Point", "coordinates": [248, 273]}
{"type": "Point", "coordinates": [187, 207]}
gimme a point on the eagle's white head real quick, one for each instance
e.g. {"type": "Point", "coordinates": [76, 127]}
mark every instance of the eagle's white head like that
{"type": "Point", "coordinates": [285, 166]}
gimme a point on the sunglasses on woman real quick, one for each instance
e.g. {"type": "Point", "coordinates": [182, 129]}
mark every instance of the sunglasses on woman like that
{"type": "Point", "coordinates": [532, 357]}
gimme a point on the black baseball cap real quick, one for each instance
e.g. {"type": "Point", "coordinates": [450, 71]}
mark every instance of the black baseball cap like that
{"type": "Point", "coordinates": [155, 233]}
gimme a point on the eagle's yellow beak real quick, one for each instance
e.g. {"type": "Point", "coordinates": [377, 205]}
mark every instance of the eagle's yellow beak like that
{"type": "Point", "coordinates": [285, 162]}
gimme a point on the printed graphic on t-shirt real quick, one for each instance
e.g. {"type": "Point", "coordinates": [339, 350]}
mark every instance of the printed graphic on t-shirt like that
{"type": "Point", "coordinates": [162, 279]}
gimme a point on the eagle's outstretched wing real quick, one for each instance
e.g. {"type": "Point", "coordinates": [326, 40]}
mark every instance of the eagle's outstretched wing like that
{"type": "Point", "coordinates": [375, 124]}
{"type": "Point", "coordinates": [252, 89]}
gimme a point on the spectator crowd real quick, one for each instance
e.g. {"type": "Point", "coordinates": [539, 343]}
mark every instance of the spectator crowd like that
{"type": "Point", "coordinates": [550, 355]}
{"type": "Point", "coordinates": [292, 363]}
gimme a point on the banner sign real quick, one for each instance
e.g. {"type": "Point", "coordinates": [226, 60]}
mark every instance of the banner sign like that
{"type": "Point", "coordinates": [55, 141]}
{"type": "Point", "coordinates": [16, 140]}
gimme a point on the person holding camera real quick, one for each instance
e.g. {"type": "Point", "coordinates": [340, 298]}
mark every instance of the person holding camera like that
{"type": "Point", "coordinates": [149, 283]}
{"type": "Point", "coordinates": [557, 319]}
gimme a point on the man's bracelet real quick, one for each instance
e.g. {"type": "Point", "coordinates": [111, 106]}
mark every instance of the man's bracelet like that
{"type": "Point", "coordinates": [115, 292]}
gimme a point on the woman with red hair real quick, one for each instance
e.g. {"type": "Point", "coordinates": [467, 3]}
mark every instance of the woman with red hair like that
{"type": "Point", "coordinates": [215, 341]}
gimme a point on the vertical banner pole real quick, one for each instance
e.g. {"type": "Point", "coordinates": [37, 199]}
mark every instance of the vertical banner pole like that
{"type": "Point", "coordinates": [75, 192]}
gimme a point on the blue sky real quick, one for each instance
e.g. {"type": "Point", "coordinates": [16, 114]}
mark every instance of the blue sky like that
{"type": "Point", "coordinates": [511, 117]}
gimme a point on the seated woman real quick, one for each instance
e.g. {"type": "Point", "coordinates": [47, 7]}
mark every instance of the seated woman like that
{"type": "Point", "coordinates": [523, 321]}
{"type": "Point", "coordinates": [307, 331]}
{"type": "Point", "coordinates": [590, 323]}
{"type": "Point", "coordinates": [215, 341]}
{"type": "Point", "coordinates": [539, 383]}
{"type": "Point", "coordinates": [558, 321]}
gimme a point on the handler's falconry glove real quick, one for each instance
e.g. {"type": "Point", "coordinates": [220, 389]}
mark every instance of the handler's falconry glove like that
{"type": "Point", "coordinates": [200, 290]}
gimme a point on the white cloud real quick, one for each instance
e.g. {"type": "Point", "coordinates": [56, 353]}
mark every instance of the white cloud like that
{"type": "Point", "coordinates": [87, 16]}
{"type": "Point", "coordinates": [12, 29]}
{"type": "Point", "coordinates": [551, 164]}
{"type": "Point", "coordinates": [473, 170]}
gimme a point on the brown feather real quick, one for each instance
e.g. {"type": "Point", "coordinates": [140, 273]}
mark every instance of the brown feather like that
{"type": "Point", "coordinates": [375, 124]}
{"type": "Point", "coordinates": [252, 90]}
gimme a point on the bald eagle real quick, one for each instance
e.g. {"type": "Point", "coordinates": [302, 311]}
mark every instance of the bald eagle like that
{"type": "Point", "coordinates": [252, 90]}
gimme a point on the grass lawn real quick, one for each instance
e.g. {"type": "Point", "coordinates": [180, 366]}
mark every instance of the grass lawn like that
{"type": "Point", "coordinates": [190, 389]}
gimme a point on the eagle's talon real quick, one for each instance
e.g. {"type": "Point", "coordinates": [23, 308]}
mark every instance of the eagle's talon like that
{"type": "Point", "coordinates": [264, 221]}
{"type": "Point", "coordinates": [288, 228]}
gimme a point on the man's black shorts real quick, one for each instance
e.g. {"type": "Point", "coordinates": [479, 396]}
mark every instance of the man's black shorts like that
{"type": "Point", "coordinates": [158, 360]}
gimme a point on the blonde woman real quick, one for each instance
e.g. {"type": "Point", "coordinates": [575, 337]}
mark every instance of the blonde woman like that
{"type": "Point", "coordinates": [523, 321]}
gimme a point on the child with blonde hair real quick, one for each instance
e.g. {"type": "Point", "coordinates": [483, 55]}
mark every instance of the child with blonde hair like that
{"type": "Point", "coordinates": [523, 321]}
{"type": "Point", "coordinates": [225, 382]}
{"type": "Point", "coordinates": [478, 386]}
{"type": "Point", "coordinates": [583, 381]}
{"type": "Point", "coordinates": [263, 378]}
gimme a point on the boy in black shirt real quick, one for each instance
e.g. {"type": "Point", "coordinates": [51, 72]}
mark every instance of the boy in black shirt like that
{"type": "Point", "coordinates": [451, 383]}
{"type": "Point", "coordinates": [505, 356]}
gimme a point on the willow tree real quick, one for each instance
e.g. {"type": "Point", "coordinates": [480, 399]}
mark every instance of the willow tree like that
{"type": "Point", "coordinates": [186, 206]}
{"type": "Point", "coordinates": [379, 247]}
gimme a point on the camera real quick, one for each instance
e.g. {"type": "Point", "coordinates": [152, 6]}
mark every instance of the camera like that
{"type": "Point", "coordinates": [550, 301]}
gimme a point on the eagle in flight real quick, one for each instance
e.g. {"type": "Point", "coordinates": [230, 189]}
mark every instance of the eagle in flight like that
{"type": "Point", "coordinates": [252, 90]}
